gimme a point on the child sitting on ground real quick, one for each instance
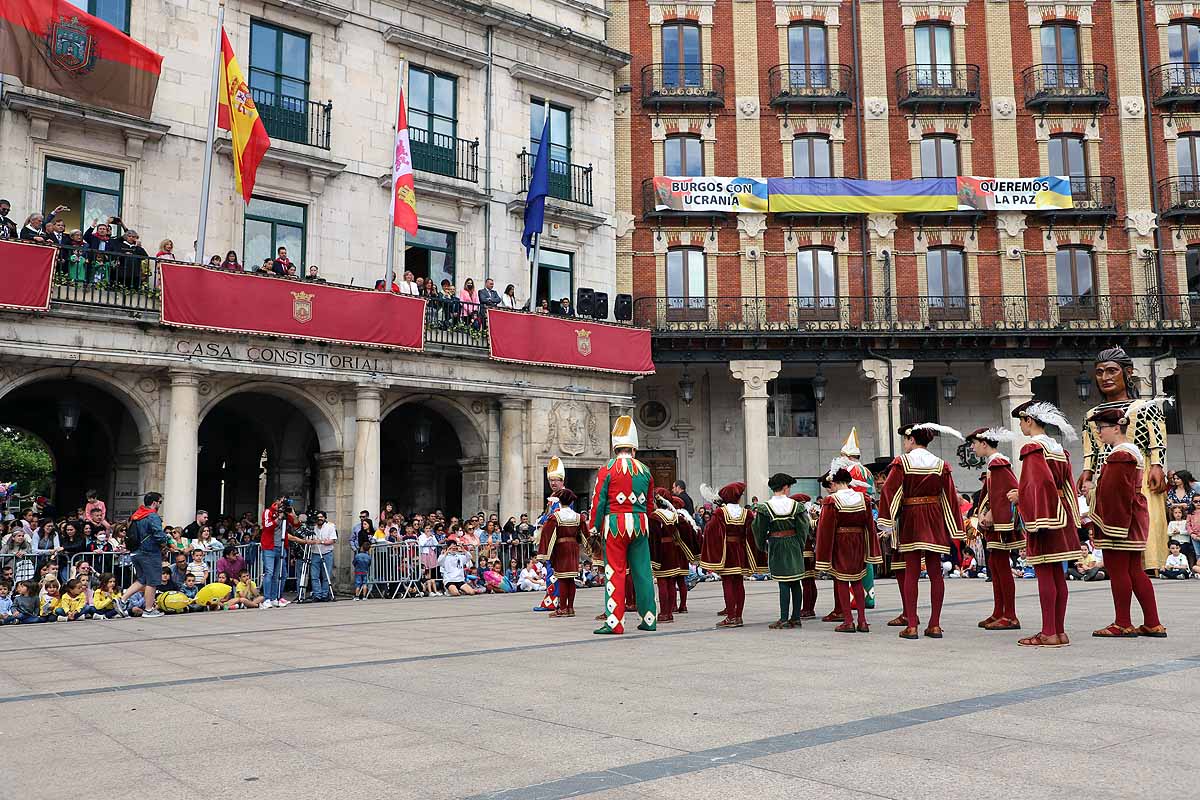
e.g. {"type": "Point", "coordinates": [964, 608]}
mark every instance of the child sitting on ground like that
{"type": "Point", "coordinates": [245, 594]}
{"type": "Point", "coordinates": [6, 606]}
{"type": "Point", "coordinates": [1176, 567]}
{"type": "Point", "coordinates": [190, 589]}
{"type": "Point", "coordinates": [72, 604]}
{"type": "Point", "coordinates": [104, 598]}
{"type": "Point", "coordinates": [27, 604]}
{"type": "Point", "coordinates": [362, 569]}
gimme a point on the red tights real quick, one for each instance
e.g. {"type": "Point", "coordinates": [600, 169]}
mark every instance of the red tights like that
{"type": "Point", "coordinates": [734, 589]}
{"type": "Point", "coordinates": [666, 598]}
{"type": "Point", "coordinates": [841, 593]}
{"type": "Point", "coordinates": [681, 592]}
{"type": "Point", "coordinates": [1004, 588]}
{"type": "Point", "coordinates": [1128, 579]}
{"type": "Point", "coordinates": [566, 593]}
{"type": "Point", "coordinates": [937, 587]}
{"type": "Point", "coordinates": [1052, 594]}
{"type": "Point", "coordinates": [809, 587]}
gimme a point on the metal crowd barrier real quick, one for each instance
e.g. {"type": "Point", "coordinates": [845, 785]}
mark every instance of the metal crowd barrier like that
{"type": "Point", "coordinates": [394, 567]}
{"type": "Point", "coordinates": [25, 566]}
{"type": "Point", "coordinates": [119, 564]}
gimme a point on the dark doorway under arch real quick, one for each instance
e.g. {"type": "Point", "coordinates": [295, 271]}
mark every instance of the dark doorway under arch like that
{"type": "Point", "coordinates": [420, 455]}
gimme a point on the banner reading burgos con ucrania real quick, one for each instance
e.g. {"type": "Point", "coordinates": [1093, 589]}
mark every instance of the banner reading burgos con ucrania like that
{"type": "Point", "coordinates": [730, 195]}
{"type": "Point", "coordinates": [1014, 194]}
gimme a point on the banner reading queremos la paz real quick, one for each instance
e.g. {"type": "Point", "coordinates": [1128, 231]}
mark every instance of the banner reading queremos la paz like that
{"type": "Point", "coordinates": [1014, 194]}
{"type": "Point", "coordinates": [731, 195]}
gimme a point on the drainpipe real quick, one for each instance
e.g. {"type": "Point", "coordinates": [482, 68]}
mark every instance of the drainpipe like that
{"type": "Point", "coordinates": [487, 158]}
{"type": "Point", "coordinates": [1152, 162]}
{"type": "Point", "coordinates": [864, 233]}
{"type": "Point", "coordinates": [891, 437]}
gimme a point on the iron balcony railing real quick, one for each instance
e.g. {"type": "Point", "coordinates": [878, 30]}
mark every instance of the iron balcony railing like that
{"type": "Point", "coordinates": [1179, 196]}
{"type": "Point", "coordinates": [571, 182]}
{"type": "Point", "coordinates": [951, 86]}
{"type": "Point", "coordinates": [1176, 85]}
{"type": "Point", "coordinates": [683, 84]}
{"type": "Point", "coordinates": [1092, 197]}
{"type": "Point", "coordinates": [811, 85]}
{"type": "Point", "coordinates": [445, 155]}
{"type": "Point", "coordinates": [948, 314]}
{"type": "Point", "coordinates": [294, 119]}
{"type": "Point", "coordinates": [1065, 85]}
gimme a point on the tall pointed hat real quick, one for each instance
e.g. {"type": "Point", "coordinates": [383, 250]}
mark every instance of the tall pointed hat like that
{"type": "Point", "coordinates": [850, 448]}
{"type": "Point", "coordinates": [624, 433]}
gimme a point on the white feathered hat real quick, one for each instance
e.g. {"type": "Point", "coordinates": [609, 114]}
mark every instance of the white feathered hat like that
{"type": "Point", "coordinates": [1046, 414]}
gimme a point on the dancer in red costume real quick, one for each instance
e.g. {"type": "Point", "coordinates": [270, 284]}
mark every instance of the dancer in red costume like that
{"type": "Point", "coordinates": [729, 550]}
{"type": "Point", "coordinates": [673, 547]}
{"type": "Point", "coordinates": [1050, 511]}
{"type": "Point", "coordinates": [558, 543]}
{"type": "Point", "coordinates": [997, 523]}
{"type": "Point", "coordinates": [1121, 527]}
{"type": "Point", "coordinates": [847, 542]}
{"type": "Point", "coordinates": [919, 507]}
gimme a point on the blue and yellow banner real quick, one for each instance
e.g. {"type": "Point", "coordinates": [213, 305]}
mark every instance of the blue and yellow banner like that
{"type": "Point", "coordinates": [854, 196]}
{"type": "Point", "coordinates": [1014, 194]}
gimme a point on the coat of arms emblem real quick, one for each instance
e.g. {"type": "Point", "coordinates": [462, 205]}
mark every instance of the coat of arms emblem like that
{"type": "Point", "coordinates": [583, 341]}
{"type": "Point", "coordinates": [302, 310]}
{"type": "Point", "coordinates": [70, 46]}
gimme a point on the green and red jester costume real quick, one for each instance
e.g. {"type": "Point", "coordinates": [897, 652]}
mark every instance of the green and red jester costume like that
{"type": "Point", "coordinates": [624, 494]}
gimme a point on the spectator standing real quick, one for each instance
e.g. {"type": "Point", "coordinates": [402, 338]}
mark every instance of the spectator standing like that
{"type": "Point", "coordinates": [313, 275]}
{"type": "Point", "coordinates": [32, 230]}
{"type": "Point", "coordinates": [231, 262]}
{"type": "Point", "coordinates": [145, 538]}
{"type": "Point", "coordinates": [488, 295]}
{"type": "Point", "coordinates": [8, 227]}
{"type": "Point", "coordinates": [1180, 489]}
{"type": "Point", "coordinates": [132, 255]}
{"type": "Point", "coordinates": [409, 285]}
{"type": "Point", "coordinates": [509, 298]}
{"type": "Point", "coordinates": [564, 308]}
{"type": "Point", "coordinates": [362, 569]}
{"type": "Point", "coordinates": [166, 251]}
{"type": "Point", "coordinates": [192, 530]}
{"type": "Point", "coordinates": [525, 529]}
{"type": "Point", "coordinates": [281, 263]}
{"type": "Point", "coordinates": [679, 489]}
{"type": "Point", "coordinates": [277, 519]}
{"type": "Point", "coordinates": [321, 557]}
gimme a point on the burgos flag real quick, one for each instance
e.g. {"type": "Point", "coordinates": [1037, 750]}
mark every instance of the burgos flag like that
{"type": "Point", "coordinates": [404, 195]}
{"type": "Point", "coordinates": [237, 114]}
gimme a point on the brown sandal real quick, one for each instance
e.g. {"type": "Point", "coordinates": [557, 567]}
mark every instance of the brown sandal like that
{"type": "Point", "coordinates": [1115, 631]}
{"type": "Point", "coordinates": [1002, 624]}
{"type": "Point", "coordinates": [1039, 640]}
{"type": "Point", "coordinates": [863, 627]}
{"type": "Point", "coordinates": [934, 633]}
{"type": "Point", "coordinates": [986, 623]}
{"type": "Point", "coordinates": [832, 616]}
{"type": "Point", "coordinates": [794, 623]}
{"type": "Point", "coordinates": [909, 633]}
{"type": "Point", "coordinates": [1157, 632]}
{"type": "Point", "coordinates": [727, 623]}
{"type": "Point", "coordinates": [899, 622]}
{"type": "Point", "coordinates": [845, 627]}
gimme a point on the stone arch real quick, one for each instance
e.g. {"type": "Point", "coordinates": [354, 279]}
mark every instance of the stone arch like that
{"type": "Point", "coordinates": [329, 432]}
{"type": "Point", "coordinates": [144, 415]}
{"type": "Point", "coordinates": [471, 436]}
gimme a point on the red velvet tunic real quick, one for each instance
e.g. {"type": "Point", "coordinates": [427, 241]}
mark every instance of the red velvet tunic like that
{"type": "Point", "coordinates": [999, 481]}
{"type": "Point", "coordinates": [561, 536]}
{"type": "Point", "coordinates": [1046, 500]}
{"type": "Point", "coordinates": [729, 547]}
{"type": "Point", "coordinates": [672, 543]}
{"type": "Point", "coordinates": [920, 504]}
{"type": "Point", "coordinates": [846, 536]}
{"type": "Point", "coordinates": [1120, 514]}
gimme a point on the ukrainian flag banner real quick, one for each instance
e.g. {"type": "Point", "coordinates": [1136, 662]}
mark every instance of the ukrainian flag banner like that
{"type": "Point", "coordinates": [1014, 194]}
{"type": "Point", "coordinates": [854, 196]}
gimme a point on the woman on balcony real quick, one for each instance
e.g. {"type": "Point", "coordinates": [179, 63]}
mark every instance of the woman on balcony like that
{"type": "Point", "coordinates": [469, 298]}
{"type": "Point", "coordinates": [231, 264]}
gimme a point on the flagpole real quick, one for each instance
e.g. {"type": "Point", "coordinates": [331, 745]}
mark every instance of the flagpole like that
{"type": "Point", "coordinates": [202, 225]}
{"type": "Point", "coordinates": [537, 242]}
{"type": "Point", "coordinates": [390, 277]}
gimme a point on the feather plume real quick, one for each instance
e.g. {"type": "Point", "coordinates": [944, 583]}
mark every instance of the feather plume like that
{"type": "Point", "coordinates": [709, 494]}
{"type": "Point", "coordinates": [943, 429]}
{"type": "Point", "coordinates": [683, 512]}
{"type": "Point", "coordinates": [840, 462]}
{"type": "Point", "coordinates": [999, 435]}
{"type": "Point", "coordinates": [663, 502]}
{"type": "Point", "coordinates": [1049, 414]}
{"type": "Point", "coordinates": [1161, 402]}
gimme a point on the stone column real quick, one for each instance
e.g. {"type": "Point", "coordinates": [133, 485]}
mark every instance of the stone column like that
{"type": "Point", "coordinates": [513, 502]}
{"type": "Point", "coordinates": [1153, 373]}
{"type": "Point", "coordinates": [183, 427]}
{"type": "Point", "coordinates": [885, 401]}
{"type": "Point", "coordinates": [1016, 387]}
{"type": "Point", "coordinates": [754, 376]}
{"type": "Point", "coordinates": [366, 450]}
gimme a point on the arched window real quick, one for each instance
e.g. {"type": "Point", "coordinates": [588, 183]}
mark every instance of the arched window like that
{"type": "Point", "coordinates": [1075, 272]}
{"type": "Point", "coordinates": [686, 284]}
{"type": "Point", "coordinates": [683, 156]}
{"type": "Point", "coordinates": [808, 55]}
{"type": "Point", "coordinates": [1183, 46]}
{"type": "Point", "coordinates": [935, 54]}
{"type": "Point", "coordinates": [681, 54]}
{"type": "Point", "coordinates": [812, 157]}
{"type": "Point", "coordinates": [946, 277]}
{"type": "Point", "coordinates": [939, 156]}
{"type": "Point", "coordinates": [816, 279]}
{"type": "Point", "coordinates": [1060, 55]}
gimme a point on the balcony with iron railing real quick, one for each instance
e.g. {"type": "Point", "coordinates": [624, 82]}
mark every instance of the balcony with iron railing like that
{"type": "Point", "coordinates": [655, 207]}
{"type": "Point", "coordinates": [950, 314]}
{"type": "Point", "coordinates": [666, 85]}
{"type": "Point", "coordinates": [1091, 198]}
{"type": "Point", "coordinates": [445, 155]}
{"type": "Point", "coordinates": [811, 86]}
{"type": "Point", "coordinates": [570, 182]}
{"type": "Point", "coordinates": [1066, 87]}
{"type": "Point", "coordinates": [1176, 85]}
{"type": "Point", "coordinates": [920, 87]}
{"type": "Point", "coordinates": [293, 119]}
{"type": "Point", "coordinates": [1179, 197]}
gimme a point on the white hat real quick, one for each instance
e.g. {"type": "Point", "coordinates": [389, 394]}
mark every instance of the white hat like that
{"type": "Point", "coordinates": [556, 469]}
{"type": "Point", "coordinates": [624, 433]}
{"type": "Point", "coordinates": [850, 448]}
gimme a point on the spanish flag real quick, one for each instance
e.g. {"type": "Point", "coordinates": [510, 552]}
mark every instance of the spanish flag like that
{"type": "Point", "coordinates": [237, 114]}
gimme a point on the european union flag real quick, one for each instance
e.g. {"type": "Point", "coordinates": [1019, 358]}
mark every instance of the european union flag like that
{"type": "Point", "coordinates": [539, 187]}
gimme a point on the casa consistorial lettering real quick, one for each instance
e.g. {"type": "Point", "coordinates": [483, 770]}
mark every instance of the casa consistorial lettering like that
{"type": "Point", "coordinates": [281, 356]}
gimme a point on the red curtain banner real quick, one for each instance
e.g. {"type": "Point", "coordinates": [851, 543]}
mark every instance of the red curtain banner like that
{"type": "Point", "coordinates": [196, 297]}
{"type": "Point", "coordinates": [568, 342]}
{"type": "Point", "coordinates": [25, 273]}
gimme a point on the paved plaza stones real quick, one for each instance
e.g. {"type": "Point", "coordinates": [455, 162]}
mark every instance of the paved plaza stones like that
{"type": "Point", "coordinates": [481, 698]}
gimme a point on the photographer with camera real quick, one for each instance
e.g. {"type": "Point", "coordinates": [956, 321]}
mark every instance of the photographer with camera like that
{"type": "Point", "coordinates": [320, 554]}
{"type": "Point", "coordinates": [279, 521]}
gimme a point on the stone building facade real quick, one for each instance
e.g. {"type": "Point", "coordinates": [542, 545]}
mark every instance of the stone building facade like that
{"type": "Point", "coordinates": [970, 314]}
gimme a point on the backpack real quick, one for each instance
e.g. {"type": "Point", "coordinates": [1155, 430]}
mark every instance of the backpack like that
{"type": "Point", "coordinates": [133, 536]}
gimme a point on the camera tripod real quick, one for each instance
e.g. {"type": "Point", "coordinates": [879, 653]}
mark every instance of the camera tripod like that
{"type": "Point", "coordinates": [302, 576]}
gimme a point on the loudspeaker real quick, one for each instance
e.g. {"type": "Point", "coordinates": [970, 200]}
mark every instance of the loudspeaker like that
{"type": "Point", "coordinates": [584, 300]}
{"type": "Point", "coordinates": [623, 310]}
{"type": "Point", "coordinates": [600, 305]}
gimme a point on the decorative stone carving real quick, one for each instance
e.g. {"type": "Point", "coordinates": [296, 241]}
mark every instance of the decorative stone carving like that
{"type": "Point", "coordinates": [477, 407]}
{"type": "Point", "coordinates": [332, 398]}
{"type": "Point", "coordinates": [1017, 372]}
{"type": "Point", "coordinates": [1044, 11]}
{"type": "Point", "coordinates": [572, 429]}
{"type": "Point", "coordinates": [1011, 223]}
{"type": "Point", "coordinates": [620, 105]}
{"type": "Point", "coordinates": [1141, 222]}
{"type": "Point", "coordinates": [623, 224]}
{"type": "Point", "coordinates": [747, 107]}
{"type": "Point", "coordinates": [1132, 108]}
{"type": "Point", "coordinates": [754, 376]}
{"type": "Point", "coordinates": [205, 388]}
{"type": "Point", "coordinates": [147, 385]}
{"type": "Point", "coordinates": [876, 107]}
{"type": "Point", "coordinates": [881, 225]}
{"type": "Point", "coordinates": [1004, 108]}
{"type": "Point", "coordinates": [956, 10]}
{"type": "Point", "coordinates": [751, 225]}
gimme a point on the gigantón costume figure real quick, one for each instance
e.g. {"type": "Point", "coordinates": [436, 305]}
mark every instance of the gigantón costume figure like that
{"type": "Point", "coordinates": [847, 543]}
{"type": "Point", "coordinates": [781, 529]}
{"type": "Point", "coordinates": [558, 544]}
{"type": "Point", "coordinates": [998, 525]}
{"type": "Point", "coordinates": [1147, 430]}
{"type": "Point", "coordinates": [1120, 526]}
{"type": "Point", "coordinates": [1049, 509]}
{"type": "Point", "coordinates": [673, 546]}
{"type": "Point", "coordinates": [728, 549]}
{"type": "Point", "coordinates": [919, 508]}
{"type": "Point", "coordinates": [620, 506]}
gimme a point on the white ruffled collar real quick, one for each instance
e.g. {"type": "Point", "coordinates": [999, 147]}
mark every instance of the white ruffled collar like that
{"type": "Point", "coordinates": [848, 497]}
{"type": "Point", "coordinates": [923, 459]}
{"type": "Point", "coordinates": [1048, 443]}
{"type": "Point", "coordinates": [781, 504]}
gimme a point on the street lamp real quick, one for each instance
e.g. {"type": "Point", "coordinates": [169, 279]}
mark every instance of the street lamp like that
{"type": "Point", "coordinates": [68, 415]}
{"type": "Point", "coordinates": [1083, 385]}
{"type": "Point", "coordinates": [687, 387]}
{"type": "Point", "coordinates": [422, 433]}
{"type": "Point", "coordinates": [818, 386]}
{"type": "Point", "coordinates": [949, 386]}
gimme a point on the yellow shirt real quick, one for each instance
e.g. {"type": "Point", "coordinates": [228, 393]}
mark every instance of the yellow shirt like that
{"type": "Point", "coordinates": [247, 590]}
{"type": "Point", "coordinates": [71, 605]}
{"type": "Point", "coordinates": [102, 600]}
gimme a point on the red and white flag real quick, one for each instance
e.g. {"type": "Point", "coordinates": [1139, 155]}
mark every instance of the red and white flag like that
{"type": "Point", "coordinates": [404, 195]}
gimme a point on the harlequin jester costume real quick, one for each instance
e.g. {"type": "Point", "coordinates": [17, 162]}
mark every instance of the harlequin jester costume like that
{"type": "Point", "coordinates": [558, 545]}
{"type": "Point", "coordinates": [624, 492]}
{"type": "Point", "coordinates": [782, 529]}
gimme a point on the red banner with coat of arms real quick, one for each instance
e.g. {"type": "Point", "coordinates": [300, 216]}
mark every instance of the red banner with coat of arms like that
{"type": "Point", "coordinates": [568, 342]}
{"type": "Point", "coordinates": [208, 299]}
